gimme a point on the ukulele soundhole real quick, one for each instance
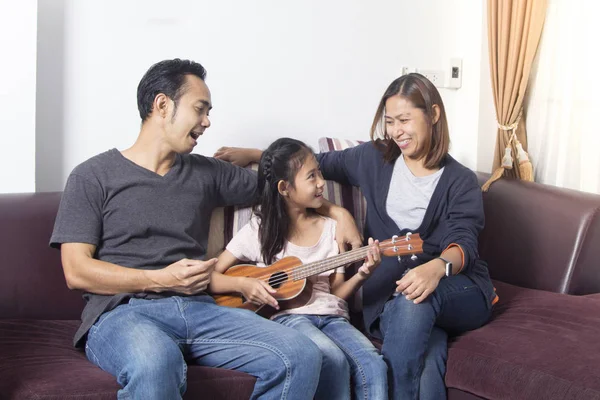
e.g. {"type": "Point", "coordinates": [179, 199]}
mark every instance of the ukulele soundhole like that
{"type": "Point", "coordinates": [278, 279]}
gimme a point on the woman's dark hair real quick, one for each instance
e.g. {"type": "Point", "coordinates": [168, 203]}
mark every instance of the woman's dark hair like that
{"type": "Point", "coordinates": [421, 93]}
{"type": "Point", "coordinates": [281, 161]}
{"type": "Point", "coordinates": [166, 77]}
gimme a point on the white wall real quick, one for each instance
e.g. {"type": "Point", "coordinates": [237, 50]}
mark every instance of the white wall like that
{"type": "Point", "coordinates": [303, 69]}
{"type": "Point", "coordinates": [52, 116]}
{"type": "Point", "coordinates": [487, 112]}
{"type": "Point", "coordinates": [18, 26]}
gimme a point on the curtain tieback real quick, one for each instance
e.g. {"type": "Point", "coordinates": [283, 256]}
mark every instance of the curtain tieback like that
{"type": "Point", "coordinates": [525, 168]}
{"type": "Point", "coordinates": [512, 127]}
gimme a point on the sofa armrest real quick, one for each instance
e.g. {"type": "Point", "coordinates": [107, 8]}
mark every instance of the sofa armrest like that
{"type": "Point", "coordinates": [535, 234]}
{"type": "Point", "coordinates": [32, 283]}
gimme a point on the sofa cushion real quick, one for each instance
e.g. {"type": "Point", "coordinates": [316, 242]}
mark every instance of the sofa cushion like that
{"type": "Point", "coordinates": [38, 361]}
{"type": "Point", "coordinates": [538, 345]}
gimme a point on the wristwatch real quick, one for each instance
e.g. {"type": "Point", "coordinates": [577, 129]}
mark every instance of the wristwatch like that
{"type": "Point", "coordinates": [448, 266]}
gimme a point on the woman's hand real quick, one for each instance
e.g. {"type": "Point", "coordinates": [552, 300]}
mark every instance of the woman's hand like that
{"type": "Point", "coordinates": [258, 292]}
{"type": "Point", "coordinates": [373, 260]}
{"type": "Point", "coordinates": [421, 281]}
{"type": "Point", "coordinates": [240, 156]}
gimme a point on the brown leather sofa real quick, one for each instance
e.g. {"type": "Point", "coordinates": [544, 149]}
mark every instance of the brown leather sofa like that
{"type": "Point", "coordinates": [542, 245]}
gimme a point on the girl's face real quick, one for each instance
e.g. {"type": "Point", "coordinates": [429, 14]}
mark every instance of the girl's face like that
{"type": "Point", "coordinates": [407, 125]}
{"type": "Point", "coordinates": [307, 191]}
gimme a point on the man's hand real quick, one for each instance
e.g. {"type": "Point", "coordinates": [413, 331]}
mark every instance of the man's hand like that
{"type": "Point", "coordinates": [240, 156]}
{"type": "Point", "coordinates": [421, 281]}
{"type": "Point", "coordinates": [258, 292]}
{"type": "Point", "coordinates": [346, 231]}
{"type": "Point", "coordinates": [373, 260]}
{"type": "Point", "coordinates": [184, 276]}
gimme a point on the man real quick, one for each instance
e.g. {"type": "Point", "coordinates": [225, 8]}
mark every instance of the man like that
{"type": "Point", "coordinates": [133, 229]}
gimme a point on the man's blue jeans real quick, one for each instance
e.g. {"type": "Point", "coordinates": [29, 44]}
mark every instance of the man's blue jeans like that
{"type": "Point", "coordinates": [415, 340]}
{"type": "Point", "coordinates": [145, 344]}
{"type": "Point", "coordinates": [346, 352]}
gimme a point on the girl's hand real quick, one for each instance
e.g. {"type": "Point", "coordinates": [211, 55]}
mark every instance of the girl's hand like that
{"type": "Point", "coordinates": [240, 156]}
{"type": "Point", "coordinates": [421, 281]}
{"type": "Point", "coordinates": [373, 260]}
{"type": "Point", "coordinates": [258, 292]}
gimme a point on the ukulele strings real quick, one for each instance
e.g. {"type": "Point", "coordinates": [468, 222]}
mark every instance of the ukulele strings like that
{"type": "Point", "coordinates": [340, 259]}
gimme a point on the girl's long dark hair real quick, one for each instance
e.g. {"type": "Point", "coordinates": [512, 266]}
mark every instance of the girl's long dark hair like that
{"type": "Point", "coordinates": [279, 162]}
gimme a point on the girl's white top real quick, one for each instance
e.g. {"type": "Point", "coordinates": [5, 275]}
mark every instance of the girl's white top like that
{"type": "Point", "coordinates": [245, 246]}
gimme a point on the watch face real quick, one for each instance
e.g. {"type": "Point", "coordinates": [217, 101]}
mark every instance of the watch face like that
{"type": "Point", "coordinates": [448, 268]}
{"type": "Point", "coordinates": [448, 271]}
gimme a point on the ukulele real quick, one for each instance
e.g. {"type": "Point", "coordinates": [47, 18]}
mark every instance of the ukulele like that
{"type": "Point", "coordinates": [288, 275]}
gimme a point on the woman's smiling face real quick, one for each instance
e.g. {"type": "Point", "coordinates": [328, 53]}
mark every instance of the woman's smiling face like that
{"type": "Point", "coordinates": [407, 126]}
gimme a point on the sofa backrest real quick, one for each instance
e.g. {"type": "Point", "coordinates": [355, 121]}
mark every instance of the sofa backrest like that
{"type": "Point", "coordinates": [542, 237]}
{"type": "Point", "coordinates": [32, 284]}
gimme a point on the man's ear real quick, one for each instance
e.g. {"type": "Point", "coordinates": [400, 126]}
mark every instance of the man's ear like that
{"type": "Point", "coordinates": [161, 105]}
{"type": "Point", "coordinates": [436, 114]}
{"type": "Point", "coordinates": [283, 188]}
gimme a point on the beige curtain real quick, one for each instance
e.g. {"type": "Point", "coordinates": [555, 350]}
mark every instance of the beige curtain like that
{"type": "Point", "coordinates": [514, 31]}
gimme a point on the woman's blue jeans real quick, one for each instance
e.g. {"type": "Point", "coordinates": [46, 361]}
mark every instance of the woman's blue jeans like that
{"type": "Point", "coordinates": [346, 352]}
{"type": "Point", "coordinates": [415, 336]}
{"type": "Point", "coordinates": [145, 344]}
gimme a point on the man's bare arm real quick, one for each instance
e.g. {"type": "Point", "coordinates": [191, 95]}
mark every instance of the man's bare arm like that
{"type": "Point", "coordinates": [82, 271]}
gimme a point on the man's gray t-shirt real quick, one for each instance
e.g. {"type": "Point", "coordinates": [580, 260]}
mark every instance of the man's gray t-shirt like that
{"type": "Point", "coordinates": [139, 219]}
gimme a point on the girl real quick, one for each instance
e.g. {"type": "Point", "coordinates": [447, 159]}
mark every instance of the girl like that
{"type": "Point", "coordinates": [290, 187]}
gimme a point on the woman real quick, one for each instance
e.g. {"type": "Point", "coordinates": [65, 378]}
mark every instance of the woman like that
{"type": "Point", "coordinates": [412, 184]}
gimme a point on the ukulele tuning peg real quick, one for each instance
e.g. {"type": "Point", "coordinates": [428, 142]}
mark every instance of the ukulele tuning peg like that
{"type": "Point", "coordinates": [413, 257]}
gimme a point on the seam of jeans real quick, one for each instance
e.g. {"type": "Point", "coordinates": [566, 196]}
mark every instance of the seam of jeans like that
{"type": "Point", "coordinates": [95, 360]}
{"type": "Point", "coordinates": [382, 328]}
{"type": "Point", "coordinates": [123, 394]}
{"type": "Point", "coordinates": [291, 320]}
{"type": "Point", "coordinates": [273, 349]}
{"type": "Point", "coordinates": [101, 338]}
{"type": "Point", "coordinates": [184, 380]}
{"type": "Point", "coordinates": [414, 390]}
{"type": "Point", "coordinates": [181, 306]}
{"type": "Point", "coordinates": [348, 353]}
{"type": "Point", "coordinates": [442, 302]}
{"type": "Point", "coordinates": [359, 366]}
